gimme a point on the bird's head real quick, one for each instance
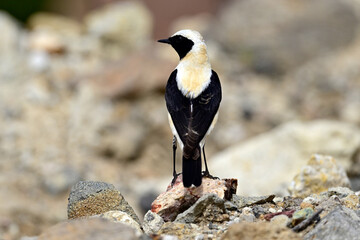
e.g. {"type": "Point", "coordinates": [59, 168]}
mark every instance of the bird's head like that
{"type": "Point", "coordinates": [185, 41]}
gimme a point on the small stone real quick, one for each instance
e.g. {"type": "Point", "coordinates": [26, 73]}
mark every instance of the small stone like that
{"type": "Point", "coordinates": [121, 217]}
{"type": "Point", "coordinates": [272, 210]}
{"type": "Point", "coordinates": [247, 210]}
{"type": "Point", "coordinates": [320, 174]}
{"type": "Point", "coordinates": [241, 201]}
{"type": "Point", "coordinates": [93, 198]}
{"type": "Point", "coordinates": [338, 191]}
{"type": "Point", "coordinates": [180, 229]}
{"type": "Point", "coordinates": [208, 208]}
{"type": "Point", "coordinates": [278, 200]}
{"type": "Point", "coordinates": [306, 205]}
{"type": "Point", "coordinates": [247, 215]}
{"type": "Point", "coordinates": [230, 206]}
{"type": "Point", "coordinates": [301, 215]}
{"type": "Point", "coordinates": [281, 220]}
{"type": "Point", "coordinates": [152, 223]}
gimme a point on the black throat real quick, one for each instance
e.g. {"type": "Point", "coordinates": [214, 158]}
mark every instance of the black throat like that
{"type": "Point", "coordinates": [182, 45]}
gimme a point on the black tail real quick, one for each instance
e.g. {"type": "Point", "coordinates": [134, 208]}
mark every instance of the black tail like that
{"type": "Point", "coordinates": [191, 170]}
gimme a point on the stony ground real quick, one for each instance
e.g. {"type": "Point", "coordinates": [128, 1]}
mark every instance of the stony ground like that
{"type": "Point", "coordinates": [85, 101]}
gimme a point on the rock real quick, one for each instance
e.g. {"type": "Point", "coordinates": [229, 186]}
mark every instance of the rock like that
{"type": "Point", "coordinates": [54, 22]}
{"type": "Point", "coordinates": [47, 41]}
{"type": "Point", "coordinates": [91, 229]}
{"type": "Point", "coordinates": [180, 230]}
{"type": "Point", "coordinates": [10, 33]}
{"type": "Point", "coordinates": [301, 215]}
{"type": "Point", "coordinates": [285, 34]}
{"type": "Point", "coordinates": [280, 220]}
{"type": "Point", "coordinates": [341, 223]}
{"type": "Point", "coordinates": [287, 147]}
{"type": "Point", "coordinates": [93, 198]}
{"type": "Point", "coordinates": [320, 174]}
{"type": "Point", "coordinates": [209, 208]}
{"type": "Point", "coordinates": [341, 192]}
{"type": "Point", "coordinates": [247, 215]}
{"type": "Point", "coordinates": [121, 217]}
{"type": "Point", "coordinates": [125, 24]}
{"type": "Point", "coordinates": [259, 230]}
{"type": "Point", "coordinates": [242, 201]}
{"type": "Point", "coordinates": [152, 223]}
{"type": "Point", "coordinates": [177, 198]}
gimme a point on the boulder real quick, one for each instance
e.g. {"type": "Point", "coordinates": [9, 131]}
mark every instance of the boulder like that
{"type": "Point", "coordinates": [266, 164]}
{"type": "Point", "coordinates": [320, 174]}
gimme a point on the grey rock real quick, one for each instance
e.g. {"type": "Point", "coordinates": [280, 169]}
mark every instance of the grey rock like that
{"type": "Point", "coordinates": [341, 223]}
{"type": "Point", "coordinates": [243, 201]}
{"type": "Point", "coordinates": [84, 189]}
{"type": "Point", "coordinates": [230, 206]}
{"type": "Point", "coordinates": [89, 198]}
{"type": "Point", "coordinates": [208, 207]}
{"type": "Point", "coordinates": [341, 192]}
{"type": "Point", "coordinates": [152, 223]}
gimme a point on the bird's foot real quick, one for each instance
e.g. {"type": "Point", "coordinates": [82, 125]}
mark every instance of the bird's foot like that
{"type": "Point", "coordinates": [208, 175]}
{"type": "Point", "coordinates": [174, 178]}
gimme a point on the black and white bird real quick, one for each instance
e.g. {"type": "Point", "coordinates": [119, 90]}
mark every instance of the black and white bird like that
{"type": "Point", "coordinates": [193, 95]}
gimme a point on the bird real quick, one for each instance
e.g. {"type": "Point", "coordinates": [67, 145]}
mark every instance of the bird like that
{"type": "Point", "coordinates": [192, 95]}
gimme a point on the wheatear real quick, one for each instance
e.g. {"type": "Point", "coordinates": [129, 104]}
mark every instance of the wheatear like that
{"type": "Point", "coordinates": [193, 95]}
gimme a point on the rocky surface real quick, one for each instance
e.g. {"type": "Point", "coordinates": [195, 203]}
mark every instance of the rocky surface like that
{"type": "Point", "coordinates": [329, 214]}
{"type": "Point", "coordinates": [83, 100]}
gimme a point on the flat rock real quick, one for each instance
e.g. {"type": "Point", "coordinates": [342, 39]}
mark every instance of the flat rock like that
{"type": "Point", "coordinates": [243, 201]}
{"type": "Point", "coordinates": [89, 198]}
{"type": "Point", "coordinates": [341, 223]}
{"type": "Point", "coordinates": [89, 229]}
{"type": "Point", "coordinates": [177, 198]}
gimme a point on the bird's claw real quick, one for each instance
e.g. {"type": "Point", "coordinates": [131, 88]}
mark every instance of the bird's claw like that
{"type": "Point", "coordinates": [208, 175]}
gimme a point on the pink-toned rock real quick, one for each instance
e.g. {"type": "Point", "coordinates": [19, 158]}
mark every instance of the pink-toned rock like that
{"type": "Point", "coordinates": [177, 199]}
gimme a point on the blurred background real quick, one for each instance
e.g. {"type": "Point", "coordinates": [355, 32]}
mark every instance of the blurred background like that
{"type": "Point", "coordinates": [82, 94]}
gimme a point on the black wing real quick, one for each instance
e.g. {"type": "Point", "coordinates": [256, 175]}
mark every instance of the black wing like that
{"type": "Point", "coordinates": [192, 126]}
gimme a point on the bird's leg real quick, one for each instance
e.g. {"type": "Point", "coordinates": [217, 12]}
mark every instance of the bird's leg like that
{"type": "Point", "coordinates": [175, 175]}
{"type": "Point", "coordinates": [206, 173]}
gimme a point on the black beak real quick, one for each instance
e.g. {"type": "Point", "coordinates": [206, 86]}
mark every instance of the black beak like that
{"type": "Point", "coordinates": [164, 41]}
